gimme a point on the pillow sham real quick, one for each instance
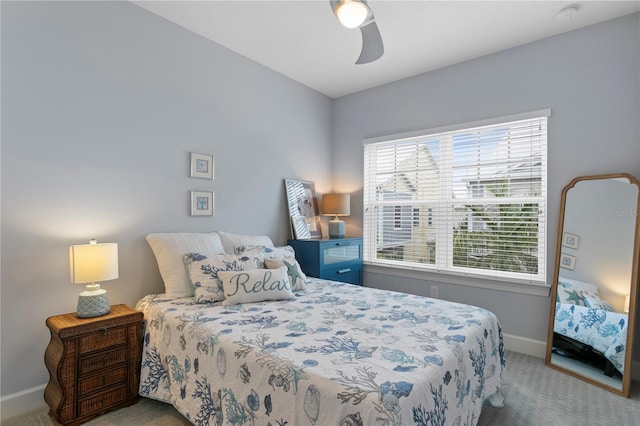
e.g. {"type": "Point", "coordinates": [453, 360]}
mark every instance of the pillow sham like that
{"type": "Point", "coordinates": [169, 248]}
{"type": "Point", "coordinates": [261, 253]}
{"type": "Point", "coordinates": [593, 301]}
{"type": "Point", "coordinates": [230, 241]}
{"type": "Point", "coordinates": [256, 285]}
{"type": "Point", "coordinates": [203, 272]}
{"type": "Point", "coordinates": [297, 278]}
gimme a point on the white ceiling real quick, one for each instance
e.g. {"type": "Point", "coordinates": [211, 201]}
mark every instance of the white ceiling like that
{"type": "Point", "coordinates": [304, 41]}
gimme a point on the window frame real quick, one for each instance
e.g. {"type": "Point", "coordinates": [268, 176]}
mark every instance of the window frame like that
{"type": "Point", "coordinates": [504, 279]}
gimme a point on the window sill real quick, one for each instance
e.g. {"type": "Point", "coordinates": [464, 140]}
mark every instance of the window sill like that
{"type": "Point", "coordinates": [461, 279]}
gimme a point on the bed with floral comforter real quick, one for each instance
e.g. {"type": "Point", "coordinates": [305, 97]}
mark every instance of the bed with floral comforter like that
{"type": "Point", "coordinates": [337, 354]}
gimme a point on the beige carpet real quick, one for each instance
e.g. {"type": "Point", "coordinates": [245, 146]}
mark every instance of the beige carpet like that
{"type": "Point", "coordinates": [536, 396]}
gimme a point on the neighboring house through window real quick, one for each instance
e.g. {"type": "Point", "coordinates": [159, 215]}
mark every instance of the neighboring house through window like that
{"type": "Point", "coordinates": [467, 199]}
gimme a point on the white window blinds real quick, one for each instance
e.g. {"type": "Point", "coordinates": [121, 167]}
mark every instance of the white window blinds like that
{"type": "Point", "coordinates": [470, 200]}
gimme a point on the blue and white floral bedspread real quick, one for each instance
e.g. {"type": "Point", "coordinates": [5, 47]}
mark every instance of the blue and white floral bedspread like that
{"type": "Point", "coordinates": [605, 331]}
{"type": "Point", "coordinates": [337, 354]}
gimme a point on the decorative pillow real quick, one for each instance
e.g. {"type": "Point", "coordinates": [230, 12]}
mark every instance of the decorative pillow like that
{"type": "Point", "coordinates": [203, 271]}
{"type": "Point", "coordinates": [570, 291]}
{"type": "Point", "coordinates": [297, 278]}
{"type": "Point", "coordinates": [257, 285]}
{"type": "Point", "coordinates": [593, 301]}
{"type": "Point", "coordinates": [230, 241]}
{"type": "Point", "coordinates": [169, 249]}
{"type": "Point", "coordinates": [260, 254]}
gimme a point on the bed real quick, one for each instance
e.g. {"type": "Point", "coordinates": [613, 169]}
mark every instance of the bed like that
{"type": "Point", "coordinates": [586, 325]}
{"type": "Point", "coordinates": [330, 354]}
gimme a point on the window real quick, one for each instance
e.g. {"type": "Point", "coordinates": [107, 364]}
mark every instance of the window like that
{"type": "Point", "coordinates": [476, 195]}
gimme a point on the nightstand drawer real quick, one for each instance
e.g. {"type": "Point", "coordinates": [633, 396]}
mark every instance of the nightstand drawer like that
{"type": "Point", "coordinates": [352, 275]}
{"type": "Point", "coordinates": [101, 401]}
{"type": "Point", "coordinates": [105, 379]}
{"type": "Point", "coordinates": [105, 339]}
{"type": "Point", "coordinates": [107, 359]}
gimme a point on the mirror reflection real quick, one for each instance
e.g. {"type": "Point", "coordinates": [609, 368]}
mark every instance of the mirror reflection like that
{"type": "Point", "coordinates": [591, 326]}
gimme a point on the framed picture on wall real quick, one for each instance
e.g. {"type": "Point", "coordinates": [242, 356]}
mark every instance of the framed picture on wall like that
{"type": "Point", "coordinates": [567, 261]}
{"type": "Point", "coordinates": [201, 203]}
{"type": "Point", "coordinates": [302, 206]}
{"type": "Point", "coordinates": [201, 166]}
{"type": "Point", "coordinates": [570, 240]}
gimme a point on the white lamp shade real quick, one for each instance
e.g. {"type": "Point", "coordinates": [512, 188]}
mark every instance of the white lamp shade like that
{"type": "Point", "coordinates": [336, 204]}
{"type": "Point", "coordinates": [90, 263]}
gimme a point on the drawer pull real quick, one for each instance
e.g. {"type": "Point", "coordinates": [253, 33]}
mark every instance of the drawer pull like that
{"type": "Point", "coordinates": [344, 271]}
{"type": "Point", "coordinates": [104, 331]}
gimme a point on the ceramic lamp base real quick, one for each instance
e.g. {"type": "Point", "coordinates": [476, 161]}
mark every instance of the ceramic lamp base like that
{"type": "Point", "coordinates": [93, 304]}
{"type": "Point", "coordinates": [336, 228]}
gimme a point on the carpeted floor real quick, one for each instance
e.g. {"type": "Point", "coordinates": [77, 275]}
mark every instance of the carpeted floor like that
{"type": "Point", "coordinates": [536, 395]}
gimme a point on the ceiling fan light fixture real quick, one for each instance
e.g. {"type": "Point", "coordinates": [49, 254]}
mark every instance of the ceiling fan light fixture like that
{"type": "Point", "coordinates": [352, 13]}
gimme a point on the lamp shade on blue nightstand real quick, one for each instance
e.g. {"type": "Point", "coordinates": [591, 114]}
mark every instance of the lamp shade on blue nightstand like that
{"type": "Point", "coordinates": [90, 263]}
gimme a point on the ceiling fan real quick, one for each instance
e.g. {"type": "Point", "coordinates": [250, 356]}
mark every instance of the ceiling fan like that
{"type": "Point", "coordinates": [357, 14]}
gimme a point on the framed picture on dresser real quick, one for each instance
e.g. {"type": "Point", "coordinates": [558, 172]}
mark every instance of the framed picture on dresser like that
{"type": "Point", "coordinates": [302, 206]}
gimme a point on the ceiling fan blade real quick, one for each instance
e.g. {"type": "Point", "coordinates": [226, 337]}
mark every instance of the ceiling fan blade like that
{"type": "Point", "coordinates": [372, 46]}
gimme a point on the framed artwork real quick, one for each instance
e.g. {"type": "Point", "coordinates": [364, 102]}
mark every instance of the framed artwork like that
{"type": "Point", "coordinates": [570, 240]}
{"type": "Point", "coordinates": [567, 261]}
{"type": "Point", "coordinates": [201, 203]}
{"type": "Point", "coordinates": [302, 206]}
{"type": "Point", "coordinates": [201, 166]}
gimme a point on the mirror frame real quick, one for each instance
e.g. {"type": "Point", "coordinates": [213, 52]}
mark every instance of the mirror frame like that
{"type": "Point", "coordinates": [626, 377]}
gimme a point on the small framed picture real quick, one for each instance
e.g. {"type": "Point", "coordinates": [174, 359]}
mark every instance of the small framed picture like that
{"type": "Point", "coordinates": [570, 240]}
{"type": "Point", "coordinates": [201, 166]}
{"type": "Point", "coordinates": [567, 261]}
{"type": "Point", "coordinates": [201, 203]}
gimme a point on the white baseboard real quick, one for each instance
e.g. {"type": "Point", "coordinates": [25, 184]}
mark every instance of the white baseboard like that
{"type": "Point", "coordinates": [33, 398]}
{"type": "Point", "coordinates": [526, 346]}
{"type": "Point", "coordinates": [22, 402]}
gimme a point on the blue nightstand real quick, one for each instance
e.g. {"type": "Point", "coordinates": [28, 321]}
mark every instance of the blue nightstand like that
{"type": "Point", "coordinates": [337, 259]}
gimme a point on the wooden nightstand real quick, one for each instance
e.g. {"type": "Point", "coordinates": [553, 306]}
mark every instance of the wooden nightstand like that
{"type": "Point", "coordinates": [337, 259]}
{"type": "Point", "coordinates": [93, 363]}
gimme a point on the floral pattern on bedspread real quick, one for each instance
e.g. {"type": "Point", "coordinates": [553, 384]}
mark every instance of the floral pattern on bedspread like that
{"type": "Point", "coordinates": [603, 330]}
{"type": "Point", "coordinates": [337, 354]}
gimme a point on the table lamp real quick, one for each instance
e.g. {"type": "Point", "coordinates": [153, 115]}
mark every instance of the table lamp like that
{"type": "Point", "coordinates": [336, 205]}
{"type": "Point", "coordinates": [90, 263]}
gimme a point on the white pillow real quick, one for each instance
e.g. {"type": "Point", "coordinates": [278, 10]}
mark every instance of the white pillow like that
{"type": "Point", "coordinates": [203, 270]}
{"type": "Point", "coordinates": [230, 241]}
{"type": "Point", "coordinates": [169, 249]}
{"type": "Point", "coordinates": [257, 285]}
{"type": "Point", "coordinates": [297, 278]}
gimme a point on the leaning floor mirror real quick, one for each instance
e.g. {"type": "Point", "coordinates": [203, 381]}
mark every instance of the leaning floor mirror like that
{"type": "Point", "coordinates": [591, 320]}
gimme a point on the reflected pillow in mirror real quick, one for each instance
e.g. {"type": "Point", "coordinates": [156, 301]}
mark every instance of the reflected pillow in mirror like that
{"type": "Point", "coordinates": [593, 301]}
{"type": "Point", "coordinates": [570, 291]}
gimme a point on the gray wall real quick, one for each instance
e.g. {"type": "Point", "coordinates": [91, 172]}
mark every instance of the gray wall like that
{"type": "Point", "coordinates": [101, 104]}
{"type": "Point", "coordinates": [590, 80]}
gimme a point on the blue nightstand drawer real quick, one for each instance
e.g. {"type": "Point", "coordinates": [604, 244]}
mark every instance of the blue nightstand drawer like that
{"type": "Point", "coordinates": [352, 275]}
